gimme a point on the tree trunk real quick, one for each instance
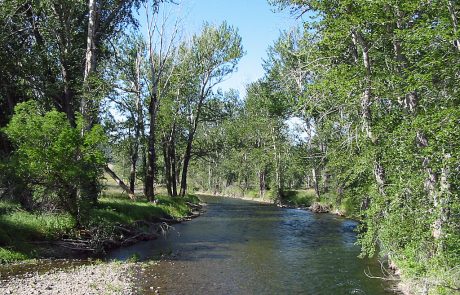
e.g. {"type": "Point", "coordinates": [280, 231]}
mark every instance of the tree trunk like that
{"type": "Point", "coordinates": [187, 156]}
{"type": "Point", "coordinates": [132, 173]}
{"type": "Point", "coordinates": [262, 184]}
{"type": "Point", "coordinates": [144, 167]}
{"type": "Point", "coordinates": [278, 172]}
{"type": "Point", "coordinates": [366, 97]}
{"type": "Point", "coordinates": [173, 160]}
{"type": "Point", "coordinates": [120, 182]}
{"type": "Point", "coordinates": [151, 153]}
{"type": "Point", "coordinates": [138, 124]}
{"type": "Point", "coordinates": [443, 204]}
{"type": "Point", "coordinates": [89, 189]}
{"type": "Point", "coordinates": [90, 65]}
{"type": "Point", "coordinates": [315, 183]}
{"type": "Point", "coordinates": [209, 177]}
{"type": "Point", "coordinates": [308, 182]}
{"type": "Point", "coordinates": [167, 164]}
{"type": "Point", "coordinates": [188, 150]}
{"type": "Point", "coordinates": [379, 175]}
{"type": "Point", "coordinates": [453, 16]}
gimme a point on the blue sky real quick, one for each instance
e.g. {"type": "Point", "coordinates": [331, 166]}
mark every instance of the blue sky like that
{"type": "Point", "coordinates": [258, 25]}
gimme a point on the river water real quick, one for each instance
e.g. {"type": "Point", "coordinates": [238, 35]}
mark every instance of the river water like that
{"type": "Point", "coordinates": [242, 247]}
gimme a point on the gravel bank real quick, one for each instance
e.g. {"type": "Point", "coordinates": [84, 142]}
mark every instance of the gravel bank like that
{"type": "Point", "coordinates": [105, 278]}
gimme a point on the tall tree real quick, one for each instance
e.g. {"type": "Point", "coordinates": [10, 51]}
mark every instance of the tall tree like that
{"type": "Point", "coordinates": [213, 55]}
{"type": "Point", "coordinates": [162, 49]}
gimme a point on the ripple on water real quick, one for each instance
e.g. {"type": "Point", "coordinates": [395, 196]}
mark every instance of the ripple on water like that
{"type": "Point", "coordinates": [239, 247]}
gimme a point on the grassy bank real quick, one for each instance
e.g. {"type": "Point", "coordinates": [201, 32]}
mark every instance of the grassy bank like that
{"type": "Point", "coordinates": [22, 233]}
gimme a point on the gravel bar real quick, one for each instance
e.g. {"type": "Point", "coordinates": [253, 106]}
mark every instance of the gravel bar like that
{"type": "Point", "coordinates": [104, 278]}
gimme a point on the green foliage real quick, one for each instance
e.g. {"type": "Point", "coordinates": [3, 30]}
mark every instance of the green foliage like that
{"type": "Point", "coordinates": [19, 225]}
{"type": "Point", "coordinates": [9, 256]}
{"type": "Point", "coordinates": [52, 158]}
{"type": "Point", "coordinates": [303, 198]}
{"type": "Point", "coordinates": [374, 81]}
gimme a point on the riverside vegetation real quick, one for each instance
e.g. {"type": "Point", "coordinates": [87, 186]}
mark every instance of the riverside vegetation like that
{"type": "Point", "coordinates": [358, 110]}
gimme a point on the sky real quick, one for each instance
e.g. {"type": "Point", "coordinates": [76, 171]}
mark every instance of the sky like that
{"type": "Point", "coordinates": [258, 24]}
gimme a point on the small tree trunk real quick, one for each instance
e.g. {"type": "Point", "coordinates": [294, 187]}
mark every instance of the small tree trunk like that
{"type": "Point", "coordinates": [120, 182]}
{"type": "Point", "coordinates": [262, 183]}
{"type": "Point", "coordinates": [151, 153]}
{"type": "Point", "coordinates": [132, 173]}
{"type": "Point", "coordinates": [138, 124]}
{"type": "Point", "coordinates": [188, 150]}
{"type": "Point", "coordinates": [315, 183]}
{"type": "Point", "coordinates": [89, 189]}
{"type": "Point", "coordinates": [167, 166]}
{"type": "Point", "coordinates": [366, 97]}
{"type": "Point", "coordinates": [174, 166]}
{"type": "Point", "coordinates": [442, 205]}
{"type": "Point", "coordinates": [278, 172]}
{"type": "Point", "coordinates": [209, 177]}
{"type": "Point", "coordinates": [187, 156]}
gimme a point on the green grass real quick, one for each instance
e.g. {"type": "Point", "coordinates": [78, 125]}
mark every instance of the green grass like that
{"type": "Point", "coordinates": [18, 227]}
{"type": "Point", "coordinates": [299, 197]}
{"type": "Point", "coordinates": [8, 256]}
{"type": "Point", "coordinates": [118, 209]}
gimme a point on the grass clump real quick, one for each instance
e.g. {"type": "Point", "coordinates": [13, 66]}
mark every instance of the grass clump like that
{"type": "Point", "coordinates": [9, 256]}
{"type": "Point", "coordinates": [299, 198]}
{"type": "Point", "coordinates": [17, 225]}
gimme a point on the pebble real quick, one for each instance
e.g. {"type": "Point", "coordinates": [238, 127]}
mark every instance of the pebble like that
{"type": "Point", "coordinates": [108, 278]}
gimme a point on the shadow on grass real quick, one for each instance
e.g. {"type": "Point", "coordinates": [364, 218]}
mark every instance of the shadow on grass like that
{"type": "Point", "coordinates": [19, 228]}
{"type": "Point", "coordinates": [118, 209]}
{"type": "Point", "coordinates": [298, 197]}
{"type": "Point", "coordinates": [21, 231]}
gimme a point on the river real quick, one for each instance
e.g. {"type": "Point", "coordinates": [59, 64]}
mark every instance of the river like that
{"type": "Point", "coordinates": [243, 247]}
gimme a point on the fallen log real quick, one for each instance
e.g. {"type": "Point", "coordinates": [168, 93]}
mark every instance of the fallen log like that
{"type": "Point", "coordinates": [120, 182]}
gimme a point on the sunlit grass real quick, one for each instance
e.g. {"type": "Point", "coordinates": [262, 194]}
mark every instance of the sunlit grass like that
{"type": "Point", "coordinates": [19, 227]}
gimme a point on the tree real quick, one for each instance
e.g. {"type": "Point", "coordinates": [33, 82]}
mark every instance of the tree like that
{"type": "Point", "coordinates": [213, 55]}
{"type": "Point", "coordinates": [379, 78]}
{"type": "Point", "coordinates": [161, 52]}
{"type": "Point", "coordinates": [128, 76]}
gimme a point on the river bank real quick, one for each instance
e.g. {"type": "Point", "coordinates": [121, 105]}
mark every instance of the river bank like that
{"type": "Point", "coordinates": [102, 278]}
{"type": "Point", "coordinates": [78, 275]}
{"type": "Point", "coordinates": [115, 221]}
{"type": "Point", "coordinates": [243, 247]}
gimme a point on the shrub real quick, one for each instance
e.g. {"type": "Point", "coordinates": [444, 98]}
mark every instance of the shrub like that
{"type": "Point", "coordinates": [52, 159]}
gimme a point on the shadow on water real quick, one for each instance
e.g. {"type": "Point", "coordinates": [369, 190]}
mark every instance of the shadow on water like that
{"type": "Point", "coordinates": [241, 247]}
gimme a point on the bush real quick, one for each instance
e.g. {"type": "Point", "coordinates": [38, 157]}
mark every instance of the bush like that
{"type": "Point", "coordinates": [52, 159]}
{"type": "Point", "coordinates": [298, 197]}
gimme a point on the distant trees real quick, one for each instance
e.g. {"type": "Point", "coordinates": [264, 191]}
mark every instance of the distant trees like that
{"type": "Point", "coordinates": [246, 150]}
